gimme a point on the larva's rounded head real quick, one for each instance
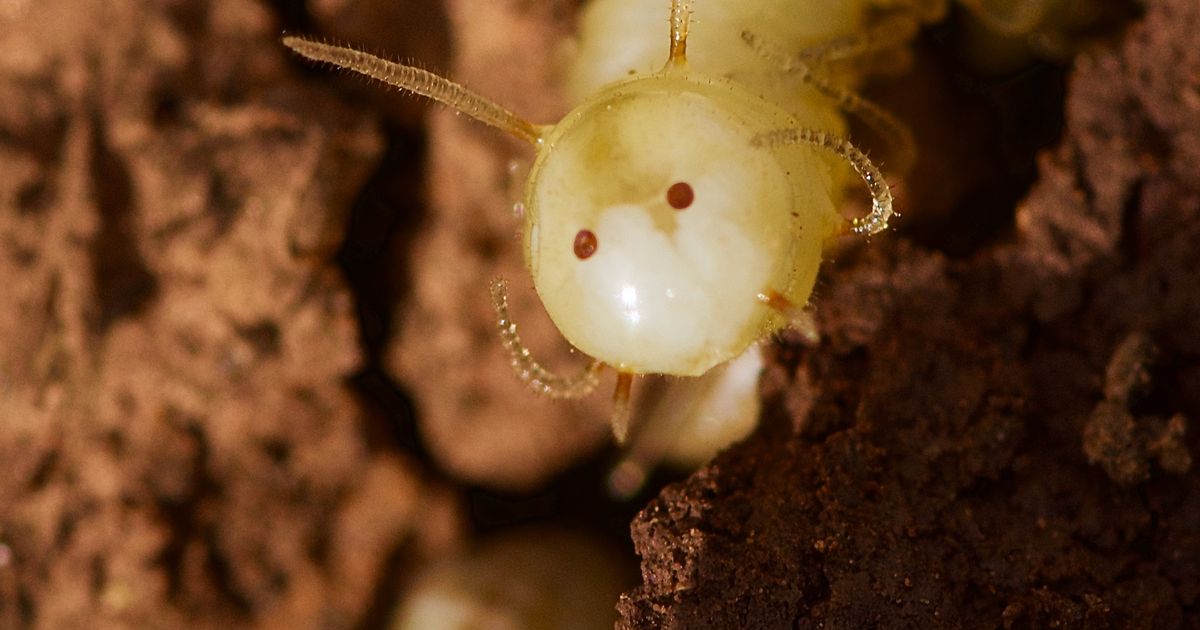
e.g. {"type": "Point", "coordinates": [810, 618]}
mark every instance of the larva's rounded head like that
{"type": "Point", "coordinates": [653, 222]}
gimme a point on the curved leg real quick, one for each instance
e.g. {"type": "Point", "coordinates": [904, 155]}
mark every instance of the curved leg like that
{"type": "Point", "coordinates": [878, 119]}
{"type": "Point", "coordinates": [881, 194]}
{"type": "Point", "coordinates": [890, 32]}
{"type": "Point", "coordinates": [527, 368]}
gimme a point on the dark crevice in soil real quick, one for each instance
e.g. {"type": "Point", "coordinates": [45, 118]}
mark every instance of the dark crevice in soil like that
{"type": "Point", "coordinates": [185, 517]}
{"type": "Point", "coordinates": [1024, 115]}
{"type": "Point", "coordinates": [124, 284]}
{"type": "Point", "coordinates": [221, 570]}
{"type": "Point", "coordinates": [43, 472]}
{"type": "Point", "coordinates": [575, 498]}
{"type": "Point", "coordinates": [393, 577]}
{"type": "Point", "coordinates": [293, 15]}
{"type": "Point", "coordinates": [380, 227]}
{"type": "Point", "coordinates": [1130, 223]}
{"type": "Point", "coordinates": [224, 203]}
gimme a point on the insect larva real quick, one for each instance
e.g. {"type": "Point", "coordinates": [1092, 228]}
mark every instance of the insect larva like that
{"type": "Point", "coordinates": [536, 577]}
{"type": "Point", "coordinates": [677, 215]}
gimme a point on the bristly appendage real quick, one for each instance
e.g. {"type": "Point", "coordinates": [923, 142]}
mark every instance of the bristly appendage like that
{"type": "Point", "coordinates": [881, 194]}
{"type": "Point", "coordinates": [890, 33]}
{"type": "Point", "coordinates": [420, 82]}
{"type": "Point", "coordinates": [527, 368]}
{"type": "Point", "coordinates": [880, 120]}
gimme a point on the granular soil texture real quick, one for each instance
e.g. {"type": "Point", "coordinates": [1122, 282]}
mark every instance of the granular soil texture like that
{"type": "Point", "coordinates": [1001, 441]}
{"type": "Point", "coordinates": [177, 446]}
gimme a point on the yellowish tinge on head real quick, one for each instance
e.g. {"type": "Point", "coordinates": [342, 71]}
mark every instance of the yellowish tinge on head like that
{"type": "Point", "coordinates": [653, 222]}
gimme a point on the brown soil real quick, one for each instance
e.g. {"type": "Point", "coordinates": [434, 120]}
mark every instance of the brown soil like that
{"type": "Point", "coordinates": [942, 481]}
{"type": "Point", "coordinates": [177, 444]}
{"type": "Point", "coordinates": [248, 379]}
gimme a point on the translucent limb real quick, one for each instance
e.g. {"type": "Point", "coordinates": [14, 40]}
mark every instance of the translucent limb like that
{"type": "Point", "coordinates": [527, 368]}
{"type": "Point", "coordinates": [799, 317]}
{"type": "Point", "coordinates": [1025, 17]}
{"type": "Point", "coordinates": [420, 82]}
{"type": "Point", "coordinates": [881, 195]}
{"type": "Point", "coordinates": [620, 414]}
{"type": "Point", "coordinates": [681, 17]}
{"type": "Point", "coordinates": [889, 33]}
{"type": "Point", "coordinates": [878, 119]}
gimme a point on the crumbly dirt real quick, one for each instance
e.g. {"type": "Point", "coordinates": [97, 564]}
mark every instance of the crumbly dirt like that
{"type": "Point", "coordinates": [940, 480]}
{"type": "Point", "coordinates": [178, 446]}
{"type": "Point", "coordinates": [249, 376]}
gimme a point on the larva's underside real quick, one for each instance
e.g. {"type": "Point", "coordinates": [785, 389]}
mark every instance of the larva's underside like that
{"type": "Point", "coordinates": [677, 215]}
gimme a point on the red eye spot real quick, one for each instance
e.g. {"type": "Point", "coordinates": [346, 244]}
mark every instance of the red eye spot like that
{"type": "Point", "coordinates": [585, 244]}
{"type": "Point", "coordinates": [680, 195]}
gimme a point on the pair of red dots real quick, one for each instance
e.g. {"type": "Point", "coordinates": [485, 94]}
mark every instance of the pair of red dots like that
{"type": "Point", "coordinates": [679, 196]}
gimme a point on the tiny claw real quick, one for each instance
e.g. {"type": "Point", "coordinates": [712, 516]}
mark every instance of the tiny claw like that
{"type": "Point", "coordinates": [620, 413]}
{"type": "Point", "coordinates": [800, 318]}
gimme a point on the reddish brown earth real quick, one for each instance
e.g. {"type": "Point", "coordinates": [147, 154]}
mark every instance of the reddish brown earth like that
{"type": "Point", "coordinates": [241, 386]}
{"type": "Point", "coordinates": [179, 448]}
{"type": "Point", "coordinates": [941, 480]}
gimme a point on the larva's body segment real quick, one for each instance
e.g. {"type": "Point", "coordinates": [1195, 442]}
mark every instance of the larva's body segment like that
{"type": "Point", "coordinates": [673, 290]}
{"type": "Point", "coordinates": [678, 214]}
{"type": "Point", "coordinates": [620, 39]}
{"type": "Point", "coordinates": [619, 36]}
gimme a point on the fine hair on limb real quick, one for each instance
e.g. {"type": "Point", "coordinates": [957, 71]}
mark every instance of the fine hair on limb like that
{"type": "Point", "coordinates": [417, 81]}
{"type": "Point", "coordinates": [881, 121]}
{"type": "Point", "coordinates": [891, 32]}
{"type": "Point", "coordinates": [881, 194]}
{"type": "Point", "coordinates": [527, 368]}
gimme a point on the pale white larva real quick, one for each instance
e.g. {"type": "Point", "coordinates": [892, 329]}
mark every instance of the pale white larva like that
{"type": "Point", "coordinates": [677, 215]}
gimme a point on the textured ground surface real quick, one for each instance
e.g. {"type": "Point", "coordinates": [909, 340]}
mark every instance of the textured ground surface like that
{"type": "Point", "coordinates": [178, 447]}
{"type": "Point", "coordinates": [248, 375]}
{"type": "Point", "coordinates": [942, 480]}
